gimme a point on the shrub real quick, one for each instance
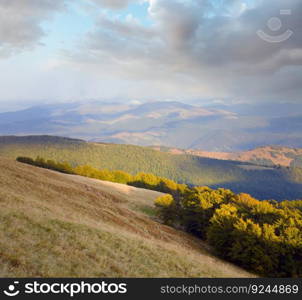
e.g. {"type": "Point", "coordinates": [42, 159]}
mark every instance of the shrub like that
{"type": "Point", "coordinates": [164, 201]}
{"type": "Point", "coordinates": [63, 167]}
{"type": "Point", "coordinates": [121, 177]}
{"type": "Point", "coordinates": [166, 209]}
{"type": "Point", "coordinates": [26, 160]}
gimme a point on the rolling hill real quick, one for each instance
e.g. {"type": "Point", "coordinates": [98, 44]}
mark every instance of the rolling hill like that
{"type": "Point", "coordinates": [261, 182]}
{"type": "Point", "coordinates": [223, 128]}
{"type": "Point", "coordinates": [266, 155]}
{"type": "Point", "coordinates": [58, 225]}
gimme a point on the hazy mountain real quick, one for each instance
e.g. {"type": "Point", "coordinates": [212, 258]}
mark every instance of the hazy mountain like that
{"type": "Point", "coordinates": [172, 124]}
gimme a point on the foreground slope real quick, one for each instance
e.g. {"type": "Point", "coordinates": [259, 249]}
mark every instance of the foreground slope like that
{"type": "Point", "coordinates": [53, 224]}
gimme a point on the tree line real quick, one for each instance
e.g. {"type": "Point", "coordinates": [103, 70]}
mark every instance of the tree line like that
{"type": "Point", "coordinates": [261, 236]}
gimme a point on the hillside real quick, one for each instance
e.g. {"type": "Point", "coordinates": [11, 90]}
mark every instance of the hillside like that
{"type": "Point", "coordinates": [266, 155]}
{"type": "Point", "coordinates": [57, 225]}
{"type": "Point", "coordinates": [261, 182]}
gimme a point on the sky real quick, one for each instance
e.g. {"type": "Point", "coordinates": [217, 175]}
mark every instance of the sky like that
{"type": "Point", "coordinates": [231, 51]}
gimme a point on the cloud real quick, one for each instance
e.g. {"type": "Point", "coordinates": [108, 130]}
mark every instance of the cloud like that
{"type": "Point", "coordinates": [20, 23]}
{"type": "Point", "coordinates": [186, 49]}
{"type": "Point", "coordinates": [114, 4]}
{"type": "Point", "coordinates": [200, 48]}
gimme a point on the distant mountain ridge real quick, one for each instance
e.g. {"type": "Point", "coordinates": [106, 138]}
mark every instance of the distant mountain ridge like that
{"type": "Point", "coordinates": [218, 128]}
{"type": "Point", "coordinates": [266, 155]}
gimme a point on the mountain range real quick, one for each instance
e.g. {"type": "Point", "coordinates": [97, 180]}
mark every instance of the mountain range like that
{"type": "Point", "coordinates": [212, 127]}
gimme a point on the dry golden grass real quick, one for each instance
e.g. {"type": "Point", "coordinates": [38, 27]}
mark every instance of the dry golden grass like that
{"type": "Point", "coordinates": [54, 225]}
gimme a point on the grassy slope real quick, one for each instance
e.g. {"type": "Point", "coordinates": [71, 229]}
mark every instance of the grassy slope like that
{"type": "Point", "coordinates": [262, 183]}
{"type": "Point", "coordinates": [53, 224]}
{"type": "Point", "coordinates": [265, 156]}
